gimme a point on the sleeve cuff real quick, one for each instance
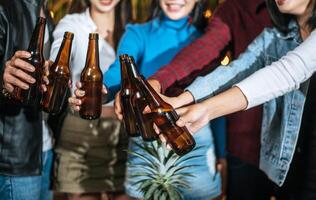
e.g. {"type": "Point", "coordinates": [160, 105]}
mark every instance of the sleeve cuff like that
{"type": "Point", "coordinates": [248, 92]}
{"type": "Point", "coordinates": [200, 90]}
{"type": "Point", "coordinates": [165, 79]}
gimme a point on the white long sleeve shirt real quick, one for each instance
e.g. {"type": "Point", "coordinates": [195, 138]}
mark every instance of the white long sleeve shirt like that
{"type": "Point", "coordinates": [81, 25]}
{"type": "Point", "coordinates": [281, 76]}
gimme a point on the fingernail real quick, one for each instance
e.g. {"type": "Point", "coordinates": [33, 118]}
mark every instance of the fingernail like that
{"type": "Point", "coordinates": [81, 93]}
{"type": "Point", "coordinates": [32, 69]}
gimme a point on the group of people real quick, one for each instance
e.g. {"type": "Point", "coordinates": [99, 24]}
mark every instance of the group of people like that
{"type": "Point", "coordinates": [268, 150]}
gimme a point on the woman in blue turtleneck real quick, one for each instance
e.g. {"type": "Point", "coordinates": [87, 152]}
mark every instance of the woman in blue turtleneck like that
{"type": "Point", "coordinates": [154, 44]}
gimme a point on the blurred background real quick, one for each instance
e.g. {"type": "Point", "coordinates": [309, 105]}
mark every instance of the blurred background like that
{"type": "Point", "coordinates": [59, 8]}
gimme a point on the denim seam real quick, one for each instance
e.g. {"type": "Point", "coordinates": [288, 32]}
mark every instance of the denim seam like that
{"type": "Point", "coordinates": [9, 179]}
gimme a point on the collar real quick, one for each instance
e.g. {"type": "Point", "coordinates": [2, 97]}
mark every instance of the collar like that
{"type": "Point", "coordinates": [173, 24]}
{"type": "Point", "coordinates": [90, 22]}
{"type": "Point", "coordinates": [293, 32]}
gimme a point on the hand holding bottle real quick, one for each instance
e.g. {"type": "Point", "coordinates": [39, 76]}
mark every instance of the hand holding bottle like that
{"type": "Point", "coordinates": [15, 72]}
{"type": "Point", "coordinates": [194, 117]}
{"type": "Point", "coordinates": [45, 80]}
{"type": "Point", "coordinates": [75, 100]}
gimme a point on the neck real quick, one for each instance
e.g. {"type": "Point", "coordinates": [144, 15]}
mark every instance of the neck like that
{"type": "Point", "coordinates": [104, 21]}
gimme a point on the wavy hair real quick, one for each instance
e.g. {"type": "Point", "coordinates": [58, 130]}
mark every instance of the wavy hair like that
{"type": "Point", "coordinates": [282, 20]}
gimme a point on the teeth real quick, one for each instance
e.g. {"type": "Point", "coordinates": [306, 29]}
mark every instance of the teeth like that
{"type": "Point", "coordinates": [175, 5]}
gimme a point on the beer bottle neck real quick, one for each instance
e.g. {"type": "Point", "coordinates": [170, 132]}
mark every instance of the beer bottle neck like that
{"type": "Point", "coordinates": [64, 53]}
{"type": "Point", "coordinates": [37, 39]}
{"type": "Point", "coordinates": [93, 54]}
{"type": "Point", "coordinates": [124, 74]}
{"type": "Point", "coordinates": [132, 71]}
{"type": "Point", "coordinates": [152, 97]}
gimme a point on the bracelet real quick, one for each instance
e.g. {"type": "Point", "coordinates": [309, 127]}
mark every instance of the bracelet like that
{"type": "Point", "coordinates": [6, 93]}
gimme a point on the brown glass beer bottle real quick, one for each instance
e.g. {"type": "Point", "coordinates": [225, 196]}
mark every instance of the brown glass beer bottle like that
{"type": "Point", "coordinates": [91, 79]}
{"type": "Point", "coordinates": [126, 94]}
{"type": "Point", "coordinates": [144, 120]}
{"type": "Point", "coordinates": [59, 75]}
{"type": "Point", "coordinates": [32, 95]}
{"type": "Point", "coordinates": [165, 118]}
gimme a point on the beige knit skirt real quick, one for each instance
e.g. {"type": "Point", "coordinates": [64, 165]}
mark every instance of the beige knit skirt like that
{"type": "Point", "coordinates": [90, 156]}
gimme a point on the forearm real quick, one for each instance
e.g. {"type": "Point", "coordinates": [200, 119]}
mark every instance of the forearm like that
{"type": "Point", "coordinates": [196, 55]}
{"type": "Point", "coordinates": [225, 103]}
{"type": "Point", "coordinates": [282, 76]}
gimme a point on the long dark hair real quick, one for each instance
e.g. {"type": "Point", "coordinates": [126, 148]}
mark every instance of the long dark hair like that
{"type": "Point", "coordinates": [199, 19]}
{"type": "Point", "coordinates": [281, 20]}
{"type": "Point", "coordinates": [123, 15]}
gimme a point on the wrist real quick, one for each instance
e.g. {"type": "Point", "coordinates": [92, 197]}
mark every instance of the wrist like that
{"type": "Point", "coordinates": [185, 98]}
{"type": "Point", "coordinates": [209, 109]}
{"type": "Point", "coordinates": [5, 92]}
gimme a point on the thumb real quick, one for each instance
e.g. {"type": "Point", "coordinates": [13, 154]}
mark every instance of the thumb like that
{"type": "Point", "coordinates": [194, 126]}
{"type": "Point", "coordinates": [181, 111]}
{"type": "Point", "coordinates": [184, 116]}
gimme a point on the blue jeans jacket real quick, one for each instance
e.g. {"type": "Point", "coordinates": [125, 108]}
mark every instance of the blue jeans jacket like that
{"type": "Point", "coordinates": [281, 116]}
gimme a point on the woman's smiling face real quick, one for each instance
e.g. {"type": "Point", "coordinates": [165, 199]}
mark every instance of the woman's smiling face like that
{"type": "Point", "coordinates": [177, 9]}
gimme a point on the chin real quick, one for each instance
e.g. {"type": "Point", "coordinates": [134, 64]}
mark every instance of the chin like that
{"type": "Point", "coordinates": [105, 8]}
{"type": "Point", "coordinates": [174, 16]}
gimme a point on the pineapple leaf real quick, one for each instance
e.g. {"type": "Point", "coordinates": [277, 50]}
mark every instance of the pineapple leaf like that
{"type": "Point", "coordinates": [146, 168]}
{"type": "Point", "coordinates": [184, 159]}
{"type": "Point", "coordinates": [146, 184]}
{"type": "Point", "coordinates": [161, 171]}
{"type": "Point", "coordinates": [148, 161]}
{"type": "Point", "coordinates": [180, 184]}
{"type": "Point", "coordinates": [157, 194]}
{"type": "Point", "coordinates": [151, 148]}
{"type": "Point", "coordinates": [164, 196]}
{"type": "Point", "coordinates": [178, 170]}
{"type": "Point", "coordinates": [171, 162]}
{"type": "Point", "coordinates": [143, 175]}
{"type": "Point", "coordinates": [172, 170]}
{"type": "Point", "coordinates": [150, 192]}
{"type": "Point", "coordinates": [172, 193]}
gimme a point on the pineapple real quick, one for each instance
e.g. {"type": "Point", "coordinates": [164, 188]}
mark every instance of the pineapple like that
{"type": "Point", "coordinates": [163, 171]}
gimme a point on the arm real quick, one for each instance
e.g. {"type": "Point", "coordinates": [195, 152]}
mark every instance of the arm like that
{"type": "Point", "coordinates": [282, 76]}
{"type": "Point", "coordinates": [275, 80]}
{"type": "Point", "coordinates": [132, 44]}
{"type": "Point", "coordinates": [196, 55]}
{"type": "Point", "coordinates": [198, 115]}
{"type": "Point", "coordinates": [223, 77]}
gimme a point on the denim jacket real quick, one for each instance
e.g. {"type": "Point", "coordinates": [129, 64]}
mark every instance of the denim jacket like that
{"type": "Point", "coordinates": [282, 116]}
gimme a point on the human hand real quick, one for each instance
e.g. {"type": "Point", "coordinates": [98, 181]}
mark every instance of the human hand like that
{"type": "Point", "coordinates": [155, 85]}
{"type": "Point", "coordinates": [118, 106]}
{"type": "Point", "coordinates": [193, 117]}
{"type": "Point", "coordinates": [75, 100]}
{"type": "Point", "coordinates": [15, 72]}
{"type": "Point", "coordinates": [45, 80]}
